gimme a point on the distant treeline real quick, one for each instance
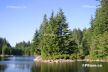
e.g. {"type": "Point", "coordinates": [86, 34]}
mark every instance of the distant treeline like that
{"type": "Point", "coordinates": [54, 39]}
{"type": "Point", "coordinates": [22, 48]}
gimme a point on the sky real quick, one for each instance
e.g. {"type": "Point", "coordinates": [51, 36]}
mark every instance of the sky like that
{"type": "Point", "coordinates": [20, 18]}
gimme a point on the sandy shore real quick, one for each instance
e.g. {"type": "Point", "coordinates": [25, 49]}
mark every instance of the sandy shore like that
{"type": "Point", "coordinates": [39, 59]}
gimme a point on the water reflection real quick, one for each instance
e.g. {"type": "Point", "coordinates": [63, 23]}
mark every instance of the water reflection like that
{"type": "Point", "coordinates": [16, 64]}
{"type": "Point", "coordinates": [69, 67]}
{"type": "Point", "coordinates": [2, 68]}
{"type": "Point", "coordinates": [61, 67]}
{"type": "Point", "coordinates": [26, 64]}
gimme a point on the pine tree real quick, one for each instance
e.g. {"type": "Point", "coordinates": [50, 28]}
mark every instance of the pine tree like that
{"type": "Point", "coordinates": [35, 43]}
{"type": "Point", "coordinates": [5, 47]}
{"type": "Point", "coordinates": [54, 39]}
{"type": "Point", "coordinates": [62, 31]}
{"type": "Point", "coordinates": [101, 21]}
{"type": "Point", "coordinates": [43, 36]}
{"type": "Point", "coordinates": [100, 31]}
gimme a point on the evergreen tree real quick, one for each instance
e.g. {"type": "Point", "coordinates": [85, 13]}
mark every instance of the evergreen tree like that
{"type": "Point", "coordinates": [100, 31]}
{"type": "Point", "coordinates": [23, 48]}
{"type": "Point", "coordinates": [43, 36]}
{"type": "Point", "coordinates": [35, 43]}
{"type": "Point", "coordinates": [53, 38]}
{"type": "Point", "coordinates": [86, 40]}
{"type": "Point", "coordinates": [101, 20]}
{"type": "Point", "coordinates": [5, 47]}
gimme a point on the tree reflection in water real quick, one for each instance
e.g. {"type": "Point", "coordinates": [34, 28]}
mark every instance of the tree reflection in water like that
{"type": "Point", "coordinates": [69, 67]}
{"type": "Point", "coordinates": [3, 67]}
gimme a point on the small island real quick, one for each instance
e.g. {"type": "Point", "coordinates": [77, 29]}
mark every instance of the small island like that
{"type": "Point", "coordinates": [54, 41]}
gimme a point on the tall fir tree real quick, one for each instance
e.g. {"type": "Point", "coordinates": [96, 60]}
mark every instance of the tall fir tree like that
{"type": "Point", "coordinates": [101, 20]}
{"type": "Point", "coordinates": [100, 31]}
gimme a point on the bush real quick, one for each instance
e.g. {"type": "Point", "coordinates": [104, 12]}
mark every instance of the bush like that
{"type": "Point", "coordinates": [66, 56]}
{"type": "Point", "coordinates": [73, 56]}
{"type": "Point", "coordinates": [59, 56]}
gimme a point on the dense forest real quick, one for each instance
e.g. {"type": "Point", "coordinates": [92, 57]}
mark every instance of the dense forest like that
{"type": "Point", "coordinates": [54, 39]}
{"type": "Point", "coordinates": [21, 48]}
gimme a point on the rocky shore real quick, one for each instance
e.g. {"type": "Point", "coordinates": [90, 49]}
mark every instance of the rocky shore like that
{"type": "Point", "coordinates": [5, 55]}
{"type": "Point", "coordinates": [39, 59]}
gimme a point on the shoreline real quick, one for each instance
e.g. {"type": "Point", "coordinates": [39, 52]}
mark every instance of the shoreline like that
{"type": "Point", "coordinates": [40, 60]}
{"type": "Point", "coordinates": [5, 55]}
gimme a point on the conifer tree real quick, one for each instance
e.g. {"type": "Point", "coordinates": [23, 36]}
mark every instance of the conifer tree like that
{"type": "Point", "coordinates": [100, 31]}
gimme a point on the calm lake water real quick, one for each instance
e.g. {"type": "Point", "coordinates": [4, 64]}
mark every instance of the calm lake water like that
{"type": "Point", "coordinates": [26, 64]}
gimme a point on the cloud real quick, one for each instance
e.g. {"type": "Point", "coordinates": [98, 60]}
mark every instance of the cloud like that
{"type": "Point", "coordinates": [89, 6]}
{"type": "Point", "coordinates": [16, 7]}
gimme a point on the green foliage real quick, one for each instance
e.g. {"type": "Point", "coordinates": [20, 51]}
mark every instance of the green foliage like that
{"type": "Point", "coordinates": [77, 36]}
{"type": "Point", "coordinates": [57, 41]}
{"type": "Point", "coordinates": [23, 48]}
{"type": "Point", "coordinates": [100, 46]}
{"type": "Point", "coordinates": [53, 40]}
{"type": "Point", "coordinates": [101, 20]}
{"type": "Point", "coordinates": [86, 41]}
{"type": "Point", "coordinates": [99, 40]}
{"type": "Point", "coordinates": [5, 48]}
{"type": "Point", "coordinates": [35, 43]}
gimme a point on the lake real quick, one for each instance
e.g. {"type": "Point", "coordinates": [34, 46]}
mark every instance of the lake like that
{"type": "Point", "coordinates": [26, 64]}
